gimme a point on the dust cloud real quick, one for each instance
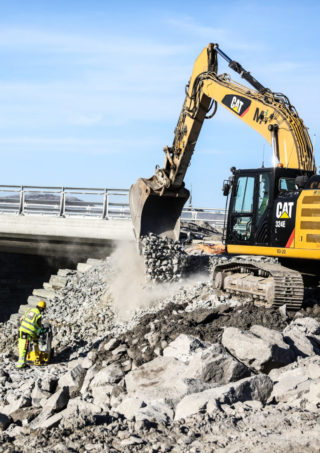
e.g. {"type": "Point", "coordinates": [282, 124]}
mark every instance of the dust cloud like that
{"type": "Point", "coordinates": [128, 288]}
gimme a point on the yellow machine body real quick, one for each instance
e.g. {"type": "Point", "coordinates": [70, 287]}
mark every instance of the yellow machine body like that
{"type": "Point", "coordinates": [303, 239]}
{"type": "Point", "coordinates": [37, 357]}
{"type": "Point", "coordinates": [40, 352]}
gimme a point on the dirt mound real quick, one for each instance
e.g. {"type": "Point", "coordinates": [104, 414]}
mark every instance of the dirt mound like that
{"type": "Point", "coordinates": [155, 330]}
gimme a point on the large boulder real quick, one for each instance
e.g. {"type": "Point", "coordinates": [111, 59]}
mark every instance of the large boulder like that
{"type": "Point", "coordinates": [91, 373]}
{"type": "Point", "coordinates": [109, 375]}
{"type": "Point", "coordinates": [130, 406]}
{"type": "Point", "coordinates": [76, 408]}
{"type": "Point", "coordinates": [163, 376]}
{"type": "Point", "coordinates": [25, 415]}
{"type": "Point", "coordinates": [156, 412]}
{"type": "Point", "coordinates": [184, 347]}
{"type": "Point", "coordinates": [215, 365]}
{"type": "Point", "coordinates": [298, 384]}
{"type": "Point", "coordinates": [38, 394]}
{"type": "Point", "coordinates": [73, 379]}
{"type": "Point", "coordinates": [49, 383]}
{"type": "Point", "coordinates": [304, 336]}
{"type": "Point", "coordinates": [46, 422]}
{"type": "Point", "coordinates": [261, 349]}
{"type": "Point", "coordinates": [101, 395]}
{"type": "Point", "coordinates": [134, 408]}
{"type": "Point", "coordinates": [252, 388]}
{"type": "Point", "coordinates": [15, 403]}
{"type": "Point", "coordinates": [57, 401]}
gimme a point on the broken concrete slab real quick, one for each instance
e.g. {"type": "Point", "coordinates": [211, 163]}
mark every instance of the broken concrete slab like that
{"type": "Point", "coordinates": [57, 401]}
{"type": "Point", "coordinates": [77, 405]}
{"type": "Point", "coordinates": [215, 365]}
{"type": "Point", "coordinates": [91, 372]}
{"type": "Point", "coordinates": [111, 374]}
{"type": "Point", "coordinates": [297, 383]}
{"type": "Point", "coordinates": [33, 300]}
{"type": "Point", "coordinates": [43, 421]}
{"type": "Point", "coordinates": [73, 380]}
{"type": "Point", "coordinates": [155, 412]}
{"type": "Point", "coordinates": [57, 281]}
{"type": "Point", "coordinates": [303, 334]}
{"type": "Point", "coordinates": [112, 344]}
{"type": "Point", "coordinates": [15, 404]}
{"type": "Point", "coordinates": [183, 347]}
{"type": "Point", "coordinates": [65, 272]}
{"type": "Point", "coordinates": [130, 406]}
{"type": "Point", "coordinates": [257, 387]}
{"type": "Point", "coordinates": [38, 394]}
{"type": "Point", "coordinates": [101, 395]}
{"type": "Point", "coordinates": [84, 267]}
{"type": "Point", "coordinates": [260, 349]}
{"type": "Point", "coordinates": [162, 376]}
{"type": "Point", "coordinates": [44, 294]}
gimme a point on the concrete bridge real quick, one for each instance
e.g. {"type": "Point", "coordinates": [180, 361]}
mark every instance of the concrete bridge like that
{"type": "Point", "coordinates": [66, 221]}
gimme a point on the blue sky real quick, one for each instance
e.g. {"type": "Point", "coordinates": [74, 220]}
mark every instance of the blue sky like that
{"type": "Point", "coordinates": [90, 91]}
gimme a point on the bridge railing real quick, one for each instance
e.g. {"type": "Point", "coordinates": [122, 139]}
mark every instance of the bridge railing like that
{"type": "Point", "coordinates": [84, 202]}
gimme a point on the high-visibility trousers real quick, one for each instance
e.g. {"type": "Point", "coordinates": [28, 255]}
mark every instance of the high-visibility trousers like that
{"type": "Point", "coordinates": [23, 342]}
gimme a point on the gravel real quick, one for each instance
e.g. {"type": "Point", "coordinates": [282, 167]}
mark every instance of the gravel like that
{"type": "Point", "coordinates": [89, 336]}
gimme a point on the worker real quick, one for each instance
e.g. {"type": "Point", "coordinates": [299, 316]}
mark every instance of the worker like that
{"type": "Point", "coordinates": [29, 330]}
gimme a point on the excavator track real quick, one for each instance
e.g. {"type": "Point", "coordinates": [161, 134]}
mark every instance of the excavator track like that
{"type": "Point", "coordinates": [268, 283]}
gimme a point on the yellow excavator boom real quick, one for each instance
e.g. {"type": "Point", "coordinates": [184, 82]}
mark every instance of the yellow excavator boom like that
{"type": "Point", "coordinates": [156, 203]}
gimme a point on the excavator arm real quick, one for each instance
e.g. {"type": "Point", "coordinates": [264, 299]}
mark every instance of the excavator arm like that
{"type": "Point", "coordinates": [156, 203]}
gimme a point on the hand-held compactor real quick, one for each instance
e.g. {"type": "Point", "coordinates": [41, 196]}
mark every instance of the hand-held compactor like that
{"type": "Point", "coordinates": [41, 352]}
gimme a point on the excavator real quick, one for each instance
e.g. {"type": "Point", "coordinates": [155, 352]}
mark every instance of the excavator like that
{"type": "Point", "coordinates": [272, 229]}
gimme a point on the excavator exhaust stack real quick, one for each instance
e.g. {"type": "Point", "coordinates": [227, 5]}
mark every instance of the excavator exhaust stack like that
{"type": "Point", "coordinates": [156, 211]}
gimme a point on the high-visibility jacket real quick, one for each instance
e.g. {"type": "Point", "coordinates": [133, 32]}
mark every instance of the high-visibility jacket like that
{"type": "Point", "coordinates": [31, 321]}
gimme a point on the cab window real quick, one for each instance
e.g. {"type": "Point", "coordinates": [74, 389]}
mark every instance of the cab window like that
{"type": "Point", "coordinates": [242, 228]}
{"type": "Point", "coordinates": [244, 194]}
{"type": "Point", "coordinates": [287, 184]}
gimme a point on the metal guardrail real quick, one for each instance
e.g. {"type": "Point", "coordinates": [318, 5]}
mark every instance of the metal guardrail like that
{"type": "Point", "coordinates": [209, 215]}
{"type": "Point", "coordinates": [84, 202]}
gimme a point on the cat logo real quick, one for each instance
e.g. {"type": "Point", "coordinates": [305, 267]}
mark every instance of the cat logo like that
{"type": "Point", "coordinates": [238, 104]}
{"type": "Point", "coordinates": [284, 210]}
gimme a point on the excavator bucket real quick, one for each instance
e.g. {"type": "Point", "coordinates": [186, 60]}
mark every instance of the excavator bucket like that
{"type": "Point", "coordinates": [155, 212]}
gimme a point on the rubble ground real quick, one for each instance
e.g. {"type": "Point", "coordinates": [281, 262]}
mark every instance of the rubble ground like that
{"type": "Point", "coordinates": [177, 368]}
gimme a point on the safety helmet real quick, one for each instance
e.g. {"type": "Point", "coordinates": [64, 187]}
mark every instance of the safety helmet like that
{"type": "Point", "coordinates": [41, 304]}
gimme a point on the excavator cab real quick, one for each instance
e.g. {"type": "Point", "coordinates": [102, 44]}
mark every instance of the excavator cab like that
{"type": "Point", "coordinates": [262, 208]}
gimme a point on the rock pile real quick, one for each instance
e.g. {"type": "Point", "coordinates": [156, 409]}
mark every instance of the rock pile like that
{"type": "Point", "coordinates": [74, 307]}
{"type": "Point", "coordinates": [165, 259]}
{"type": "Point", "coordinates": [191, 372]}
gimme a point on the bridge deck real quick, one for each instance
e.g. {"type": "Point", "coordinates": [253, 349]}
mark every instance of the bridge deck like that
{"type": "Point", "coordinates": [65, 220]}
{"type": "Point", "coordinates": [45, 235]}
